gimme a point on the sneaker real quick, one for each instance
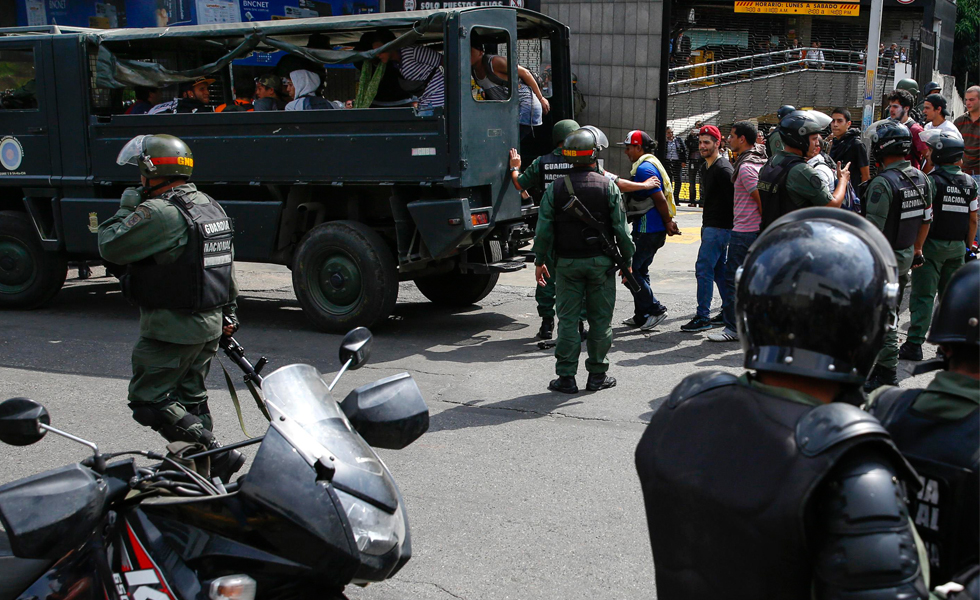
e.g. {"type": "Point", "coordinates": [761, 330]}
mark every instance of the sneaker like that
{"type": "Point", "coordinates": [634, 321]}
{"type": "Point", "coordinates": [697, 324]}
{"type": "Point", "coordinates": [718, 320]}
{"type": "Point", "coordinates": [652, 321]}
{"type": "Point", "coordinates": [563, 384]}
{"type": "Point", "coordinates": [599, 381]}
{"type": "Point", "coordinates": [727, 335]}
{"type": "Point", "coordinates": [547, 328]}
{"type": "Point", "coordinates": [880, 376]}
{"type": "Point", "coordinates": [910, 351]}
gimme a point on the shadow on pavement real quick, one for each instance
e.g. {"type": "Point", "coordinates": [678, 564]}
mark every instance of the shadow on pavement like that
{"type": "Point", "coordinates": [475, 414]}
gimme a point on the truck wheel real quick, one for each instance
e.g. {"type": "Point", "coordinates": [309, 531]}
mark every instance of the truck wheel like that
{"type": "Point", "coordinates": [29, 276]}
{"type": "Point", "coordinates": [345, 276]}
{"type": "Point", "coordinates": [460, 289]}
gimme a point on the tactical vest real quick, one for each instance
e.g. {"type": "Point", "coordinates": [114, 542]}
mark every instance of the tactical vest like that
{"type": "Point", "coordinates": [574, 239]}
{"type": "Point", "coordinates": [951, 206]}
{"type": "Point", "coordinates": [945, 454]}
{"type": "Point", "coordinates": [200, 278]}
{"type": "Point", "coordinates": [908, 206]}
{"type": "Point", "coordinates": [772, 189]}
{"type": "Point", "coordinates": [552, 167]}
{"type": "Point", "coordinates": [728, 473]}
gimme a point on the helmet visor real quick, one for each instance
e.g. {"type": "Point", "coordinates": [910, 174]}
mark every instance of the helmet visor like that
{"type": "Point", "coordinates": [131, 152]}
{"type": "Point", "coordinates": [817, 121]}
{"type": "Point", "coordinates": [930, 136]}
{"type": "Point", "coordinates": [601, 141]}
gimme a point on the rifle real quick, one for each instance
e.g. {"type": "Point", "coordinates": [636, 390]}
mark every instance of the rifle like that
{"type": "Point", "coordinates": [609, 248]}
{"type": "Point", "coordinates": [253, 380]}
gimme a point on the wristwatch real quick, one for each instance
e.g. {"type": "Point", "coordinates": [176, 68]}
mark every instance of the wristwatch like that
{"type": "Point", "coordinates": [513, 170]}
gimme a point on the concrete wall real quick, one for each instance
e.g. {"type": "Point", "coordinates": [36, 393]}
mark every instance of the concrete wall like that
{"type": "Point", "coordinates": [615, 48]}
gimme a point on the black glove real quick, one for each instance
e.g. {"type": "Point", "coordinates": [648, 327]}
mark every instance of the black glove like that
{"type": "Point", "coordinates": [918, 260]}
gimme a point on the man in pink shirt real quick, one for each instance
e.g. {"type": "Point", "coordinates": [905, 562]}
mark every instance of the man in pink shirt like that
{"type": "Point", "coordinates": [748, 213]}
{"type": "Point", "coordinates": [899, 106]}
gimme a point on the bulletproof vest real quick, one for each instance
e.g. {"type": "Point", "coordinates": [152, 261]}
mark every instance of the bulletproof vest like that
{"type": "Point", "coordinates": [908, 205]}
{"type": "Point", "coordinates": [944, 452]}
{"type": "Point", "coordinates": [776, 201]}
{"type": "Point", "coordinates": [951, 206]}
{"type": "Point", "coordinates": [550, 168]}
{"type": "Point", "coordinates": [728, 473]}
{"type": "Point", "coordinates": [200, 278]}
{"type": "Point", "coordinates": [573, 238]}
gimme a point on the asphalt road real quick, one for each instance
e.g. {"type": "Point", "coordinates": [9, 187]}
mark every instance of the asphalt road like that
{"type": "Point", "coordinates": [515, 492]}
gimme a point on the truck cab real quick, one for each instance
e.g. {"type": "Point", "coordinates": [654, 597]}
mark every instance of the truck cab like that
{"type": "Point", "coordinates": [352, 200]}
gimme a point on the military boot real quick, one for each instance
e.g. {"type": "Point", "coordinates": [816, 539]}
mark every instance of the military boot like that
{"type": "Point", "coordinates": [880, 376]}
{"type": "Point", "coordinates": [225, 464]}
{"type": "Point", "coordinates": [547, 328]}
{"type": "Point", "coordinates": [599, 381]}
{"type": "Point", "coordinates": [910, 351]}
{"type": "Point", "coordinates": [564, 384]}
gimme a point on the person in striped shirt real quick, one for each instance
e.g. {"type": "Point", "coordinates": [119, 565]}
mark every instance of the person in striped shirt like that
{"type": "Point", "coordinates": [420, 70]}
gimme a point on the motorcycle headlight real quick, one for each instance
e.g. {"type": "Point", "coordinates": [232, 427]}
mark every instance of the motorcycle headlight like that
{"type": "Point", "coordinates": [375, 531]}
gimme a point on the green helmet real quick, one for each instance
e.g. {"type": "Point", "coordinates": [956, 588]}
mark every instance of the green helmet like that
{"type": "Point", "coordinates": [909, 85]}
{"type": "Point", "coordinates": [562, 130]}
{"type": "Point", "coordinates": [158, 156]}
{"type": "Point", "coordinates": [583, 145]}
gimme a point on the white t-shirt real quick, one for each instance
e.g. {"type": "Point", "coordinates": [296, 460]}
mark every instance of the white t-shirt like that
{"type": "Point", "coordinates": [946, 125]}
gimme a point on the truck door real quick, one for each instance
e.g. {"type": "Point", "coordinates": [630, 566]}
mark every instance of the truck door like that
{"type": "Point", "coordinates": [28, 115]}
{"type": "Point", "coordinates": [489, 127]}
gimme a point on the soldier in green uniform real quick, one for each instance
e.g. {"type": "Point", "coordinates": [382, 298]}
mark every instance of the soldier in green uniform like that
{"type": "Point", "coordinates": [787, 182]}
{"type": "Point", "coordinates": [176, 245]}
{"type": "Point", "coordinates": [899, 203]}
{"type": "Point", "coordinates": [584, 271]}
{"type": "Point", "coordinates": [938, 430]}
{"type": "Point", "coordinates": [954, 211]}
{"type": "Point", "coordinates": [532, 183]}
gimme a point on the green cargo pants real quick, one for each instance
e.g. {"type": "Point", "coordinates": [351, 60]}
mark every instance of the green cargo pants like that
{"type": "Point", "coordinates": [888, 356]}
{"type": "Point", "coordinates": [584, 281]}
{"type": "Point", "coordinates": [167, 391]}
{"type": "Point", "coordinates": [545, 295]}
{"type": "Point", "coordinates": [942, 259]}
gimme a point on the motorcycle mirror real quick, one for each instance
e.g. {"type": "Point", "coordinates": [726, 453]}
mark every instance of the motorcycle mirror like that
{"type": "Point", "coordinates": [356, 348]}
{"type": "Point", "coordinates": [389, 413]}
{"type": "Point", "coordinates": [21, 421]}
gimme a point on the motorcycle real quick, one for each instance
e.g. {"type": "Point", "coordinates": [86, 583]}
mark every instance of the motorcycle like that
{"type": "Point", "coordinates": [317, 510]}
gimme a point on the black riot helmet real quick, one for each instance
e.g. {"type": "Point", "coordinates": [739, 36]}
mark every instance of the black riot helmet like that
{"type": "Point", "coordinates": [814, 294]}
{"type": "Point", "coordinates": [784, 110]}
{"type": "Point", "coordinates": [931, 88]}
{"type": "Point", "coordinates": [946, 147]}
{"type": "Point", "coordinates": [796, 128]}
{"type": "Point", "coordinates": [957, 320]}
{"type": "Point", "coordinates": [890, 138]}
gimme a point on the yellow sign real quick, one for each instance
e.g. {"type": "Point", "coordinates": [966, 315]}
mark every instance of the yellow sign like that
{"type": "Point", "coordinates": [835, 9]}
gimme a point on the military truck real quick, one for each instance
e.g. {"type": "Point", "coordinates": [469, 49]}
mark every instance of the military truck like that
{"type": "Point", "coordinates": [353, 201]}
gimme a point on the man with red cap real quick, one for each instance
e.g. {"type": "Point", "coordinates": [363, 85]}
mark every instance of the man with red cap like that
{"type": "Point", "coordinates": [652, 214]}
{"type": "Point", "coordinates": [718, 195]}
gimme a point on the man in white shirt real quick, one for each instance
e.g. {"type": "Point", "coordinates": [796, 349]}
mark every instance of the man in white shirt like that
{"type": "Point", "coordinates": [934, 109]}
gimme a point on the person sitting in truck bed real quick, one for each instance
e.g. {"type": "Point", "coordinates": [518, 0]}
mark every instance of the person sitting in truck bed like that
{"type": "Point", "coordinates": [194, 98]}
{"type": "Point", "coordinates": [267, 90]}
{"type": "Point", "coordinates": [419, 69]}
{"type": "Point", "coordinates": [491, 74]}
{"type": "Point", "coordinates": [379, 91]}
{"type": "Point", "coordinates": [146, 98]}
{"type": "Point", "coordinates": [305, 84]}
{"type": "Point", "coordinates": [244, 90]}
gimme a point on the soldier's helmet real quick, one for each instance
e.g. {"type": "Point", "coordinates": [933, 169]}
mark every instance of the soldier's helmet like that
{"type": "Point", "coordinates": [946, 147]}
{"type": "Point", "coordinates": [562, 130]}
{"type": "Point", "coordinates": [814, 294]}
{"type": "Point", "coordinates": [891, 138]}
{"type": "Point", "coordinates": [957, 320]}
{"type": "Point", "coordinates": [582, 146]}
{"type": "Point", "coordinates": [909, 85]}
{"type": "Point", "coordinates": [158, 156]}
{"type": "Point", "coordinates": [784, 110]}
{"type": "Point", "coordinates": [931, 88]}
{"type": "Point", "coordinates": [796, 128]}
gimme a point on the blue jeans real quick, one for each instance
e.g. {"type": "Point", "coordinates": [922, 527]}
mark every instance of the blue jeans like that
{"type": "Point", "coordinates": [647, 244]}
{"type": "Point", "coordinates": [710, 267]}
{"type": "Point", "coordinates": [738, 247]}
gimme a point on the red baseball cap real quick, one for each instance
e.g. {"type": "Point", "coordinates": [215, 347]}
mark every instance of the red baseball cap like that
{"type": "Point", "coordinates": [636, 138]}
{"type": "Point", "coordinates": [712, 131]}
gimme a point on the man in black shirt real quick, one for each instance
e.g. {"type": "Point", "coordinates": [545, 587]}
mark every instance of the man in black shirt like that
{"type": "Point", "coordinates": [694, 163]}
{"type": "Point", "coordinates": [846, 146]}
{"type": "Point", "coordinates": [718, 195]}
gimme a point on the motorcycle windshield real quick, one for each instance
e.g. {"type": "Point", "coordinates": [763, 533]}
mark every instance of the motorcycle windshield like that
{"type": "Point", "coordinates": [301, 395]}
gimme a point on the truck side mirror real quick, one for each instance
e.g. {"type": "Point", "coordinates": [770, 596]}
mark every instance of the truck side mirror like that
{"type": "Point", "coordinates": [21, 420]}
{"type": "Point", "coordinates": [389, 413]}
{"type": "Point", "coordinates": [356, 347]}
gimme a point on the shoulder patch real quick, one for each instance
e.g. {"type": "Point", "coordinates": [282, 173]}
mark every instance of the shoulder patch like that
{"type": "Point", "coordinates": [133, 219]}
{"type": "Point", "coordinates": [815, 182]}
{"type": "Point", "coordinates": [145, 211]}
{"type": "Point", "coordinates": [695, 384]}
{"type": "Point", "coordinates": [827, 425]}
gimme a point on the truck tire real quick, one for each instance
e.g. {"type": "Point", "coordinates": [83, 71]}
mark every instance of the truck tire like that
{"type": "Point", "coordinates": [461, 289]}
{"type": "Point", "coordinates": [345, 276]}
{"type": "Point", "coordinates": [29, 276]}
